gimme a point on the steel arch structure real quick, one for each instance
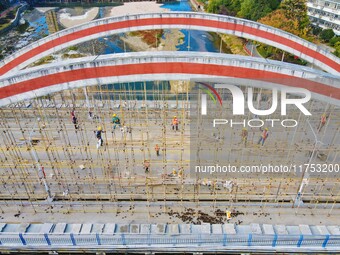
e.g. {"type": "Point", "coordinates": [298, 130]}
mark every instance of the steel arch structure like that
{"type": "Point", "coordinates": [182, 20]}
{"type": "Point", "coordinates": [150, 66]}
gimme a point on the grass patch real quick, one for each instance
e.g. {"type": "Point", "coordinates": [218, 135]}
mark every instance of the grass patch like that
{"type": "Point", "coordinates": [151, 37]}
{"type": "Point", "coordinates": [43, 61]}
{"type": "Point", "coordinates": [234, 43]}
{"type": "Point", "coordinates": [77, 55]}
{"type": "Point", "coordinates": [263, 52]}
{"type": "Point", "coordinates": [73, 48]}
{"type": "Point", "coordinates": [3, 26]}
{"type": "Point", "coordinates": [22, 28]}
{"type": "Point", "coordinates": [7, 20]}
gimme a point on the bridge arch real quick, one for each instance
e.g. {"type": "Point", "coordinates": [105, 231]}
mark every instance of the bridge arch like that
{"type": "Point", "coordinates": [149, 66]}
{"type": "Point", "coordinates": [183, 20]}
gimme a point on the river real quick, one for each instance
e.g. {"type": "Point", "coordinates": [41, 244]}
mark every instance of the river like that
{"type": "Point", "coordinates": [199, 40]}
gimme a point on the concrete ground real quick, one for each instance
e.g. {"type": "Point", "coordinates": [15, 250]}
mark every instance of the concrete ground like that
{"type": "Point", "coordinates": [87, 182]}
{"type": "Point", "coordinates": [204, 212]}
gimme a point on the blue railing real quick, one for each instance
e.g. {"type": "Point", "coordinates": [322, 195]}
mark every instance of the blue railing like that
{"type": "Point", "coordinates": [166, 240]}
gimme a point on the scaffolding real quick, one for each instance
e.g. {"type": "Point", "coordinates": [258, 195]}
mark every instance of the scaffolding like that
{"type": "Point", "coordinates": [43, 154]}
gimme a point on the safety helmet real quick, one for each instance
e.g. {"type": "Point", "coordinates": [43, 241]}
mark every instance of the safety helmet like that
{"type": "Point", "coordinates": [114, 115]}
{"type": "Point", "coordinates": [244, 128]}
{"type": "Point", "coordinates": [266, 129]}
{"type": "Point", "coordinates": [175, 116]}
{"type": "Point", "coordinates": [99, 128]}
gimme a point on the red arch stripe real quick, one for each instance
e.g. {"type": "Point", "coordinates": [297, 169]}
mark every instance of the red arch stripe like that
{"type": "Point", "coordinates": [167, 68]}
{"type": "Point", "coordinates": [170, 21]}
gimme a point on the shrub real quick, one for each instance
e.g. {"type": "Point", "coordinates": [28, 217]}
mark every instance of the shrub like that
{"type": "Point", "coordinates": [327, 34]}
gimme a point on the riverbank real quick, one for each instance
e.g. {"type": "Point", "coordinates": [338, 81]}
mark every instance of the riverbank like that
{"type": "Point", "coordinates": [69, 17]}
{"type": "Point", "coordinates": [74, 17]}
{"type": "Point", "coordinates": [137, 8]}
{"type": "Point", "coordinates": [169, 42]}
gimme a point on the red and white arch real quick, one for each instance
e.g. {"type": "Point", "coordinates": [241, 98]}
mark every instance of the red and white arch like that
{"type": "Point", "coordinates": [180, 20]}
{"type": "Point", "coordinates": [149, 66]}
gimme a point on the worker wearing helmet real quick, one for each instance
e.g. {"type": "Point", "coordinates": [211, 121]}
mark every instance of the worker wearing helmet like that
{"type": "Point", "coordinates": [99, 136]}
{"type": "Point", "coordinates": [157, 150]}
{"type": "Point", "coordinates": [264, 136]}
{"type": "Point", "coordinates": [323, 121]}
{"type": "Point", "coordinates": [244, 136]}
{"type": "Point", "coordinates": [115, 121]}
{"type": "Point", "coordinates": [174, 123]}
{"type": "Point", "coordinates": [173, 173]}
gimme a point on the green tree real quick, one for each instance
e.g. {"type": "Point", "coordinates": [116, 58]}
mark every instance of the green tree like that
{"type": "Point", "coordinates": [226, 7]}
{"type": "Point", "coordinates": [235, 6]}
{"type": "Point", "coordinates": [316, 30]}
{"type": "Point", "coordinates": [256, 9]}
{"type": "Point", "coordinates": [296, 10]}
{"type": "Point", "coordinates": [337, 49]}
{"type": "Point", "coordinates": [213, 6]}
{"type": "Point", "coordinates": [291, 17]}
{"type": "Point", "coordinates": [327, 34]}
{"type": "Point", "coordinates": [334, 40]}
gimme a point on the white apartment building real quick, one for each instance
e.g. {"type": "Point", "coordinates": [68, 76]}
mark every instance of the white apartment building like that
{"type": "Point", "coordinates": [325, 14]}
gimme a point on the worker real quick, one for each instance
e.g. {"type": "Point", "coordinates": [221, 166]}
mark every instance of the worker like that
{"type": "Point", "coordinates": [147, 166]}
{"type": "Point", "coordinates": [323, 121]}
{"type": "Point", "coordinates": [180, 173]}
{"type": "Point", "coordinates": [72, 113]}
{"type": "Point", "coordinates": [75, 121]}
{"type": "Point", "coordinates": [228, 213]}
{"type": "Point", "coordinates": [125, 105]}
{"type": "Point", "coordinates": [244, 136]}
{"type": "Point", "coordinates": [174, 123]}
{"type": "Point", "coordinates": [157, 150]}
{"type": "Point", "coordinates": [99, 136]}
{"type": "Point", "coordinates": [264, 136]}
{"type": "Point", "coordinates": [174, 172]}
{"type": "Point", "coordinates": [115, 121]}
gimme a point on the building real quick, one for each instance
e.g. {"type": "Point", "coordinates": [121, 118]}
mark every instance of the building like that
{"type": "Point", "coordinates": [325, 14]}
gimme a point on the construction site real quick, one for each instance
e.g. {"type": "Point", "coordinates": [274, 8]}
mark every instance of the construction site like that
{"type": "Point", "coordinates": [44, 154]}
{"type": "Point", "coordinates": [91, 164]}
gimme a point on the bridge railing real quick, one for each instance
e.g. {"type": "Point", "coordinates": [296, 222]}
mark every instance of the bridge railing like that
{"type": "Point", "coordinates": [147, 240]}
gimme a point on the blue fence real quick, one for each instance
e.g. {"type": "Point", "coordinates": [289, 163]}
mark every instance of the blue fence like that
{"type": "Point", "coordinates": [128, 239]}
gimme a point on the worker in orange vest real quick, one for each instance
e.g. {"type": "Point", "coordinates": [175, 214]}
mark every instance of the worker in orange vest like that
{"type": "Point", "coordinates": [174, 123]}
{"type": "Point", "coordinates": [157, 149]}
{"type": "Point", "coordinates": [323, 121]}
{"type": "Point", "coordinates": [264, 136]}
